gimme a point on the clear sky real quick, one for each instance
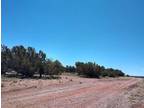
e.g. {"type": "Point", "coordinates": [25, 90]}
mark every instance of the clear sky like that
{"type": "Point", "coordinates": [109, 32]}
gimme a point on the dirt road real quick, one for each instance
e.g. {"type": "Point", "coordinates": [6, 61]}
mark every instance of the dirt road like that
{"type": "Point", "coordinates": [69, 92]}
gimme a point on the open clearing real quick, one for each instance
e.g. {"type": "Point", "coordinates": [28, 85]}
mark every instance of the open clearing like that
{"type": "Point", "coordinates": [73, 92]}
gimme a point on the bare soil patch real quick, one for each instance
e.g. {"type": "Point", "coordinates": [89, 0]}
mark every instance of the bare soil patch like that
{"type": "Point", "coordinates": [73, 92]}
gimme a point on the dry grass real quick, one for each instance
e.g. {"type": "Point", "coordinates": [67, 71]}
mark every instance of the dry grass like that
{"type": "Point", "coordinates": [136, 95]}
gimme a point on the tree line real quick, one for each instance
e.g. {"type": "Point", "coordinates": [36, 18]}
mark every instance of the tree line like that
{"type": "Point", "coordinates": [26, 62]}
{"type": "Point", "coordinates": [93, 70]}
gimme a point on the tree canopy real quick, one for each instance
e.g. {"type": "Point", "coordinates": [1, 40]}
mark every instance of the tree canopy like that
{"type": "Point", "coordinates": [27, 62]}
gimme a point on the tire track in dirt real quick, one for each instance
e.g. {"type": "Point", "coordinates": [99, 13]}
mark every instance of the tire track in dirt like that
{"type": "Point", "coordinates": [72, 96]}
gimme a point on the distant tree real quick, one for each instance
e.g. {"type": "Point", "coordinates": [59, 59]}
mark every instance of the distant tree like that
{"type": "Point", "coordinates": [110, 72]}
{"type": "Point", "coordinates": [22, 61]}
{"type": "Point", "coordinates": [5, 58]}
{"type": "Point", "coordinates": [79, 67]}
{"type": "Point", "coordinates": [88, 69]}
{"type": "Point", "coordinates": [70, 69]}
{"type": "Point", "coordinates": [40, 63]}
{"type": "Point", "coordinates": [53, 67]}
{"type": "Point", "coordinates": [58, 68]}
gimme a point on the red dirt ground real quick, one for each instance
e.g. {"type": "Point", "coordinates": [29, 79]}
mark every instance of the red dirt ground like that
{"type": "Point", "coordinates": [69, 92]}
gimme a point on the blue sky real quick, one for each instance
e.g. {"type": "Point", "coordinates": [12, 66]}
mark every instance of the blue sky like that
{"type": "Point", "coordinates": [109, 32]}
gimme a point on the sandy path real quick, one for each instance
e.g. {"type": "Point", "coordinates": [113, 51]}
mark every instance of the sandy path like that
{"type": "Point", "coordinates": [91, 93]}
